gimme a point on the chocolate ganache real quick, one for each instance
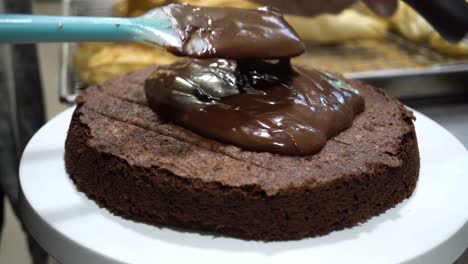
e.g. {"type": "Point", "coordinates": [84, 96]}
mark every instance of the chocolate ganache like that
{"type": "Point", "coordinates": [208, 32]}
{"type": "Point", "coordinates": [254, 104]}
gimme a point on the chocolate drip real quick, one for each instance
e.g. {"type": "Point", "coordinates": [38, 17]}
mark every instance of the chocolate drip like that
{"type": "Point", "coordinates": [256, 105]}
{"type": "Point", "coordinates": [232, 33]}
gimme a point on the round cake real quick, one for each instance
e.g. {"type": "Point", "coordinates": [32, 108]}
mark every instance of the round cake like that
{"type": "Point", "coordinates": [127, 159]}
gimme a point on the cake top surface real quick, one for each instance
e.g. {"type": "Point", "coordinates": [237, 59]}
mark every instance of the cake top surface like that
{"type": "Point", "coordinates": [122, 124]}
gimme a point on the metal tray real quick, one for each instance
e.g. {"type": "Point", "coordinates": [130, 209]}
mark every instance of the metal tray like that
{"type": "Point", "coordinates": [409, 71]}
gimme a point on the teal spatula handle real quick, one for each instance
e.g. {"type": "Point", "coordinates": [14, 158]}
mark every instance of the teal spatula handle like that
{"type": "Point", "coordinates": [30, 28]}
{"type": "Point", "coordinates": [34, 28]}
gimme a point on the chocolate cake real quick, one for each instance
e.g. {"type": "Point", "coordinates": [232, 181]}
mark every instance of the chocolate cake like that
{"type": "Point", "coordinates": [129, 160]}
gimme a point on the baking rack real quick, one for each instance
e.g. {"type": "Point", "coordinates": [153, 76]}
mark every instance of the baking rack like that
{"type": "Point", "coordinates": [409, 71]}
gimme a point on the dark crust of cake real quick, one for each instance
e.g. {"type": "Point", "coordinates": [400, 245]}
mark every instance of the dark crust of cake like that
{"type": "Point", "coordinates": [124, 158]}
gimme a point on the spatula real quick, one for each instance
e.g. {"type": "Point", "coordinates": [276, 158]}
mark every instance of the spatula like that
{"type": "Point", "coordinates": [182, 29]}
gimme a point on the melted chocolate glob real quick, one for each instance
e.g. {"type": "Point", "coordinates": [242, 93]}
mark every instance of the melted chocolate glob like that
{"type": "Point", "coordinates": [256, 105]}
{"type": "Point", "coordinates": [213, 32]}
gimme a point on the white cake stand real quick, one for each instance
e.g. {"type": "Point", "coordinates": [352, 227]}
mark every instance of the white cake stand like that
{"type": "Point", "coordinates": [430, 227]}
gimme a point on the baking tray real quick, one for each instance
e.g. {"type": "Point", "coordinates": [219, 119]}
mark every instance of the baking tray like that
{"type": "Point", "coordinates": [410, 72]}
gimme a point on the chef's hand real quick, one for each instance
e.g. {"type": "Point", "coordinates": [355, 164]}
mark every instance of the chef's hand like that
{"type": "Point", "coordinates": [383, 8]}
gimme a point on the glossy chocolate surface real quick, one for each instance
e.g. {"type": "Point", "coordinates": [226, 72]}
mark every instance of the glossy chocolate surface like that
{"type": "Point", "coordinates": [214, 32]}
{"type": "Point", "coordinates": [256, 105]}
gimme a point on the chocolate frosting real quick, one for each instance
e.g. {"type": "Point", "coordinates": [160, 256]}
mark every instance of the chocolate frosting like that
{"type": "Point", "coordinates": [213, 32]}
{"type": "Point", "coordinates": [256, 105]}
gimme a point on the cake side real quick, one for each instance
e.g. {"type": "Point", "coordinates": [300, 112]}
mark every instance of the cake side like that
{"type": "Point", "coordinates": [159, 197]}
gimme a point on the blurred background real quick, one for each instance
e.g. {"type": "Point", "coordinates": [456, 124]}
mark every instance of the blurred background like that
{"type": "Point", "coordinates": [402, 54]}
